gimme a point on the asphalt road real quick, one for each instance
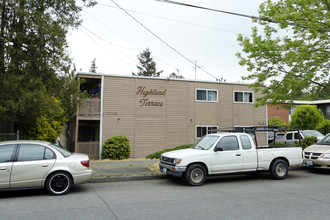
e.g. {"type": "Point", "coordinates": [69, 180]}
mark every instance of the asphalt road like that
{"type": "Point", "coordinates": [303, 195]}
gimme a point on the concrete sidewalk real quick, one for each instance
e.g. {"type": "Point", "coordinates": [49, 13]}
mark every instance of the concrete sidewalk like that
{"type": "Point", "coordinates": [125, 170]}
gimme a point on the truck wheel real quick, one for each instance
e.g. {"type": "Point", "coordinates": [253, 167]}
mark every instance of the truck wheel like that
{"type": "Point", "coordinates": [195, 175]}
{"type": "Point", "coordinates": [279, 169]}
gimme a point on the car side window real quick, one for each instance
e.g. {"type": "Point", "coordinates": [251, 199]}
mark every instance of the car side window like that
{"type": "Point", "coordinates": [49, 154]}
{"type": "Point", "coordinates": [289, 136]}
{"type": "Point", "coordinates": [228, 143]}
{"type": "Point", "coordinates": [30, 152]}
{"type": "Point", "coordinates": [246, 144]}
{"type": "Point", "coordinates": [6, 153]}
{"type": "Point", "coordinates": [297, 136]}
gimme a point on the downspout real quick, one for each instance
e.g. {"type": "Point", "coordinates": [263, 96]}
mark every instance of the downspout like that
{"type": "Point", "coordinates": [101, 118]}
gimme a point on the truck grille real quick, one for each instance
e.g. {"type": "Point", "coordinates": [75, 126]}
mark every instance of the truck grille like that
{"type": "Point", "coordinates": [311, 155]}
{"type": "Point", "coordinates": [166, 160]}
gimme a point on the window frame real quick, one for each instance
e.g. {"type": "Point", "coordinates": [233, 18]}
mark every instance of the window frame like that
{"type": "Point", "coordinates": [207, 129]}
{"type": "Point", "coordinates": [207, 92]}
{"type": "Point", "coordinates": [17, 159]}
{"type": "Point", "coordinates": [243, 102]}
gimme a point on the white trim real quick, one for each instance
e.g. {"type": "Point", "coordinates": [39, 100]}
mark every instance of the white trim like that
{"type": "Point", "coordinates": [101, 118]}
{"type": "Point", "coordinates": [206, 126]}
{"type": "Point", "coordinates": [243, 97]}
{"type": "Point", "coordinates": [301, 102]}
{"type": "Point", "coordinates": [207, 90]}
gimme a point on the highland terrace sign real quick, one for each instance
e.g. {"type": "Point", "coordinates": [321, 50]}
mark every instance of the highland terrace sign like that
{"type": "Point", "coordinates": [148, 93]}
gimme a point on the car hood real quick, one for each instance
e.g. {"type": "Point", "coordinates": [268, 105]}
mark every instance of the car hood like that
{"type": "Point", "coordinates": [316, 148]}
{"type": "Point", "coordinates": [185, 153]}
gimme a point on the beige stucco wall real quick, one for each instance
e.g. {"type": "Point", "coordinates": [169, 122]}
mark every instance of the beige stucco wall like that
{"type": "Point", "coordinates": [153, 128]}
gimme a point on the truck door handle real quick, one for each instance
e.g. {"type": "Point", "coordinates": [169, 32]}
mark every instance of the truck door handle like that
{"type": "Point", "coordinates": [238, 155]}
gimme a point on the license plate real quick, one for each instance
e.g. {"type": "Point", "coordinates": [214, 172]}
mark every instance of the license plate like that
{"type": "Point", "coordinates": [309, 163]}
{"type": "Point", "coordinates": [164, 170]}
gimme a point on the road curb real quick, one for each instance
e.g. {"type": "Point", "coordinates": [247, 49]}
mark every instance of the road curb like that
{"type": "Point", "coordinates": [126, 178]}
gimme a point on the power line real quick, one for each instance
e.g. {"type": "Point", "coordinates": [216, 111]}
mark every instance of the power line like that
{"type": "Point", "coordinates": [199, 67]}
{"type": "Point", "coordinates": [174, 20]}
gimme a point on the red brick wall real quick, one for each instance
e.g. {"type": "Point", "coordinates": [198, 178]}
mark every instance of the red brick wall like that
{"type": "Point", "coordinates": [277, 110]}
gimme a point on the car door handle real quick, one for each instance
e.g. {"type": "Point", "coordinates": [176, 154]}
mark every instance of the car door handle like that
{"type": "Point", "coordinates": [3, 168]}
{"type": "Point", "coordinates": [238, 155]}
{"type": "Point", "coordinates": [44, 165]}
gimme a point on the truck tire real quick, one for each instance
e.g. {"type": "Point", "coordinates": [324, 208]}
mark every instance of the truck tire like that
{"type": "Point", "coordinates": [195, 175]}
{"type": "Point", "coordinates": [279, 169]}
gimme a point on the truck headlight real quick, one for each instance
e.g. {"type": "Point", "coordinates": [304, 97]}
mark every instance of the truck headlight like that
{"type": "Point", "coordinates": [326, 156]}
{"type": "Point", "coordinates": [176, 161]}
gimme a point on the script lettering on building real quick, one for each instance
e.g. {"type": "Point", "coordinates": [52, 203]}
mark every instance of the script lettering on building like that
{"type": "Point", "coordinates": [149, 95]}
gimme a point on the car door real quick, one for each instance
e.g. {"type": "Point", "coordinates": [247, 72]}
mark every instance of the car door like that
{"type": "Point", "coordinates": [6, 163]}
{"type": "Point", "coordinates": [227, 156]}
{"type": "Point", "coordinates": [32, 164]}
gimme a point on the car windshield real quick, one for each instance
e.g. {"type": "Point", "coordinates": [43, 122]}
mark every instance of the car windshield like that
{"type": "Point", "coordinates": [64, 152]}
{"type": "Point", "coordinates": [325, 140]}
{"type": "Point", "coordinates": [206, 142]}
{"type": "Point", "coordinates": [311, 133]}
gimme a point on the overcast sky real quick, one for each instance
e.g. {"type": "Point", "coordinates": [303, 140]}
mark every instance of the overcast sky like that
{"type": "Point", "coordinates": [112, 37]}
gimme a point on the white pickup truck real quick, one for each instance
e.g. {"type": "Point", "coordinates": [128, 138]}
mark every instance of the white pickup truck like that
{"type": "Point", "coordinates": [228, 153]}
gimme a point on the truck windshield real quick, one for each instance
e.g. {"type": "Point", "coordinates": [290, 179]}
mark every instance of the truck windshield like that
{"type": "Point", "coordinates": [206, 142]}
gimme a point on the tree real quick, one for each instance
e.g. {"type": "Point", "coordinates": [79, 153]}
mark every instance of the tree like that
{"type": "Point", "coordinates": [324, 127]}
{"type": "Point", "coordinates": [306, 117]}
{"type": "Point", "coordinates": [38, 86]}
{"type": "Point", "coordinates": [174, 75]}
{"type": "Point", "coordinates": [148, 66]}
{"type": "Point", "coordinates": [93, 67]}
{"type": "Point", "coordinates": [276, 121]}
{"type": "Point", "coordinates": [293, 53]}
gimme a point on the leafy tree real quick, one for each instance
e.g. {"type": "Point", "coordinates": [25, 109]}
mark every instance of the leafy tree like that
{"type": "Point", "coordinates": [148, 65]}
{"type": "Point", "coordinates": [324, 127]}
{"type": "Point", "coordinates": [306, 117]}
{"type": "Point", "coordinates": [292, 54]}
{"type": "Point", "coordinates": [38, 87]}
{"type": "Point", "coordinates": [93, 67]}
{"type": "Point", "coordinates": [174, 75]}
{"type": "Point", "coordinates": [276, 121]}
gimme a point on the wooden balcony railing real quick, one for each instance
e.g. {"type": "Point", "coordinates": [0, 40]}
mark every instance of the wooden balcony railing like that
{"type": "Point", "coordinates": [91, 107]}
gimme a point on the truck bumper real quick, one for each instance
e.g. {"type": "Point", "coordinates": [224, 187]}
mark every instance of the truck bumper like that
{"type": "Point", "coordinates": [172, 170]}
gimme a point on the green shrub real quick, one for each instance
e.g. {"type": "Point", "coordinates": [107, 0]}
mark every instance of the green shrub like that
{"type": "Point", "coordinates": [308, 141]}
{"type": "Point", "coordinates": [324, 127]}
{"type": "Point", "coordinates": [116, 148]}
{"type": "Point", "coordinates": [157, 154]}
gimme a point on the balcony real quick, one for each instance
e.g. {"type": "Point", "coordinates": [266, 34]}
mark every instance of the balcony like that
{"type": "Point", "coordinates": [90, 109]}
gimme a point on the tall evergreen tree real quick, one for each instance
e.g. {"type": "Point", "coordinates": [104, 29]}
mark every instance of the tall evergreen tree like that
{"type": "Point", "coordinates": [148, 65]}
{"type": "Point", "coordinates": [93, 67]}
{"type": "Point", "coordinates": [38, 87]}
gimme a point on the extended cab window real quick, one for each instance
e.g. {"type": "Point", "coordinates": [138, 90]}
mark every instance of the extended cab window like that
{"type": "Point", "coordinates": [246, 144]}
{"type": "Point", "coordinates": [289, 136]}
{"type": "Point", "coordinates": [228, 143]}
{"type": "Point", "coordinates": [6, 153]}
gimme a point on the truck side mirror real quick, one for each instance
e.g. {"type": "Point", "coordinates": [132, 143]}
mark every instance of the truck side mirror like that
{"type": "Point", "coordinates": [218, 149]}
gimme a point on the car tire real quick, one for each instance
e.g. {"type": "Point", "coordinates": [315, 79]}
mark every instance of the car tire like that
{"type": "Point", "coordinates": [59, 183]}
{"type": "Point", "coordinates": [279, 169]}
{"type": "Point", "coordinates": [195, 175]}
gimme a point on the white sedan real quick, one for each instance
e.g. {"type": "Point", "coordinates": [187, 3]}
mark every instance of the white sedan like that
{"type": "Point", "coordinates": [38, 164]}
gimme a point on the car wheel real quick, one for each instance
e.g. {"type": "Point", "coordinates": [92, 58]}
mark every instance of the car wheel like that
{"type": "Point", "coordinates": [195, 175]}
{"type": "Point", "coordinates": [279, 169]}
{"type": "Point", "coordinates": [59, 183]}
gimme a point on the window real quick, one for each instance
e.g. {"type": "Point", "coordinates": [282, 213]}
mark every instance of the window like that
{"type": "Point", "coordinates": [289, 136]}
{"type": "Point", "coordinates": [204, 130]}
{"type": "Point", "coordinates": [246, 144]}
{"type": "Point", "coordinates": [228, 143]}
{"type": "Point", "coordinates": [29, 152]}
{"type": "Point", "coordinates": [207, 95]}
{"type": "Point", "coordinates": [243, 97]}
{"type": "Point", "coordinates": [6, 153]}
